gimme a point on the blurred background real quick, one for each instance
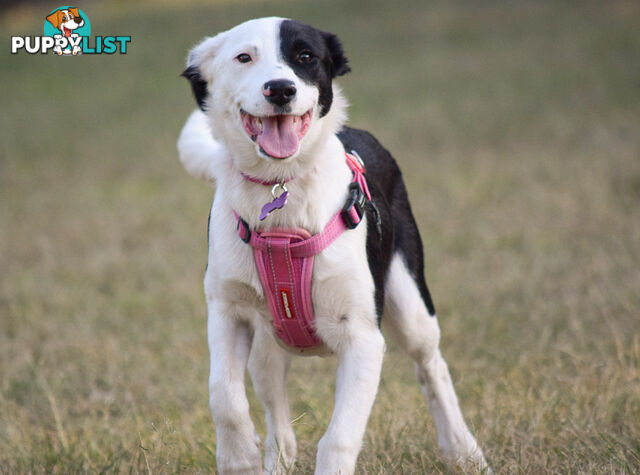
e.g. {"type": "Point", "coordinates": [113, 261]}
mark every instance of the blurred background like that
{"type": "Point", "coordinates": [517, 126]}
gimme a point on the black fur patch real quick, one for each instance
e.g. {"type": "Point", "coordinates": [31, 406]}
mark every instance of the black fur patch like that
{"type": "Point", "coordinates": [198, 85]}
{"type": "Point", "coordinates": [326, 58]}
{"type": "Point", "coordinates": [338, 59]}
{"type": "Point", "coordinates": [399, 229]}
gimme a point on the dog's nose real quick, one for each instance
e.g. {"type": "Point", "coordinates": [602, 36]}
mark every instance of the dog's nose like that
{"type": "Point", "coordinates": [279, 91]}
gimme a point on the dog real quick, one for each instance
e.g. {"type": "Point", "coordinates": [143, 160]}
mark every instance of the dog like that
{"type": "Point", "coordinates": [66, 20]}
{"type": "Point", "coordinates": [270, 123]}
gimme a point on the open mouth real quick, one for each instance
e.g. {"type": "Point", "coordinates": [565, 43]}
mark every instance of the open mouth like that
{"type": "Point", "coordinates": [277, 135]}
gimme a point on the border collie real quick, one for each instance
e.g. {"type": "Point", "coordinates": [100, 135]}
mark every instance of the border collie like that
{"type": "Point", "coordinates": [269, 133]}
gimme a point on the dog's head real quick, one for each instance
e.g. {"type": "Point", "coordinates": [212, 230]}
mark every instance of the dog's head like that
{"type": "Point", "coordinates": [66, 20]}
{"type": "Point", "coordinates": [267, 87]}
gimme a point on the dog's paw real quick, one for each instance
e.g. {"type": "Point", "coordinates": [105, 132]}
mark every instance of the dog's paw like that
{"type": "Point", "coordinates": [336, 456]}
{"type": "Point", "coordinates": [280, 456]}
{"type": "Point", "coordinates": [240, 464]}
{"type": "Point", "coordinates": [471, 461]}
{"type": "Point", "coordinates": [239, 456]}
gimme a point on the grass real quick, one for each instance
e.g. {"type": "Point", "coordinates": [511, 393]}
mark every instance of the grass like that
{"type": "Point", "coordinates": [516, 126]}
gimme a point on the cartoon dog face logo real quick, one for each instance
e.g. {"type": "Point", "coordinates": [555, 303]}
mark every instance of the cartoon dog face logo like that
{"type": "Point", "coordinates": [66, 20]}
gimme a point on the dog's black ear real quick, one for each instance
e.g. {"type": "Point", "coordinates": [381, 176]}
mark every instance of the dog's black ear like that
{"type": "Point", "coordinates": [338, 59]}
{"type": "Point", "coordinates": [198, 85]}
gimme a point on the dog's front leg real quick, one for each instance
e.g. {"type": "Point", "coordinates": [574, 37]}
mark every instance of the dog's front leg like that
{"type": "Point", "coordinates": [237, 444]}
{"type": "Point", "coordinates": [268, 367]}
{"type": "Point", "coordinates": [360, 362]}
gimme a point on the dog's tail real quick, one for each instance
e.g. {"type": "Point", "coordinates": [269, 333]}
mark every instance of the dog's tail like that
{"type": "Point", "coordinates": [199, 152]}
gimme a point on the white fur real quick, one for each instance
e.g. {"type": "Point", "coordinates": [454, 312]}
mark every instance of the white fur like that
{"type": "Point", "coordinates": [200, 154]}
{"type": "Point", "coordinates": [214, 146]}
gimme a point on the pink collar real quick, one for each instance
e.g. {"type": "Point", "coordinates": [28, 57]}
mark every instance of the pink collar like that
{"type": "Point", "coordinates": [260, 181]}
{"type": "Point", "coordinates": [353, 160]}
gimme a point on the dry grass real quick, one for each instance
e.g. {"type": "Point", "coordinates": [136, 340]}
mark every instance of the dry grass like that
{"type": "Point", "coordinates": [517, 128]}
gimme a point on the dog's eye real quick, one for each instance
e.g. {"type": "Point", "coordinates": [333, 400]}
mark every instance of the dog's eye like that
{"type": "Point", "coordinates": [305, 57]}
{"type": "Point", "coordinates": [243, 58]}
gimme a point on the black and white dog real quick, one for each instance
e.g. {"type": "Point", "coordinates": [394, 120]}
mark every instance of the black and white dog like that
{"type": "Point", "coordinates": [269, 112]}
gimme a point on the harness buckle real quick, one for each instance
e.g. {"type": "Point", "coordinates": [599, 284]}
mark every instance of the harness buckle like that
{"type": "Point", "coordinates": [356, 200]}
{"type": "Point", "coordinates": [247, 231]}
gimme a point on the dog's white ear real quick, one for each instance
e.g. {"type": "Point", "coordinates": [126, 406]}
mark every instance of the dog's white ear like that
{"type": "Point", "coordinates": [206, 50]}
{"type": "Point", "coordinates": [199, 70]}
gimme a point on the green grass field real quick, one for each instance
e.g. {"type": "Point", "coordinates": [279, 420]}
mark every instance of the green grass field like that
{"type": "Point", "coordinates": [517, 125]}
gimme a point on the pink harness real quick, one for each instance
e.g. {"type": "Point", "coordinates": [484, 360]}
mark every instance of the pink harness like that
{"type": "Point", "coordinates": [284, 259]}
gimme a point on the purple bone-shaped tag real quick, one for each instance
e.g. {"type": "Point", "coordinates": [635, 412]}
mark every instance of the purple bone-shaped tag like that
{"type": "Point", "coordinates": [277, 203]}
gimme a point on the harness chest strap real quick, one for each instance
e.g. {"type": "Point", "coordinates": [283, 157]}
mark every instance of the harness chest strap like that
{"type": "Point", "coordinates": [284, 260]}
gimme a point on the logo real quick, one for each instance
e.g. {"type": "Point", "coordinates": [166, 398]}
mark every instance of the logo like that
{"type": "Point", "coordinates": [67, 32]}
{"type": "Point", "coordinates": [285, 297]}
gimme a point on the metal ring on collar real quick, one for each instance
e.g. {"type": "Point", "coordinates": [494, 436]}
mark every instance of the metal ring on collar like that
{"type": "Point", "coordinates": [282, 186]}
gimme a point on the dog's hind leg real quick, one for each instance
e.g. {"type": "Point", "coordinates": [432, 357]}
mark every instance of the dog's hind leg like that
{"type": "Point", "coordinates": [268, 367]}
{"type": "Point", "coordinates": [408, 321]}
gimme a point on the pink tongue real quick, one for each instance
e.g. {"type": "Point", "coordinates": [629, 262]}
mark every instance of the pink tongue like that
{"type": "Point", "coordinates": [67, 32]}
{"type": "Point", "coordinates": [279, 137]}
